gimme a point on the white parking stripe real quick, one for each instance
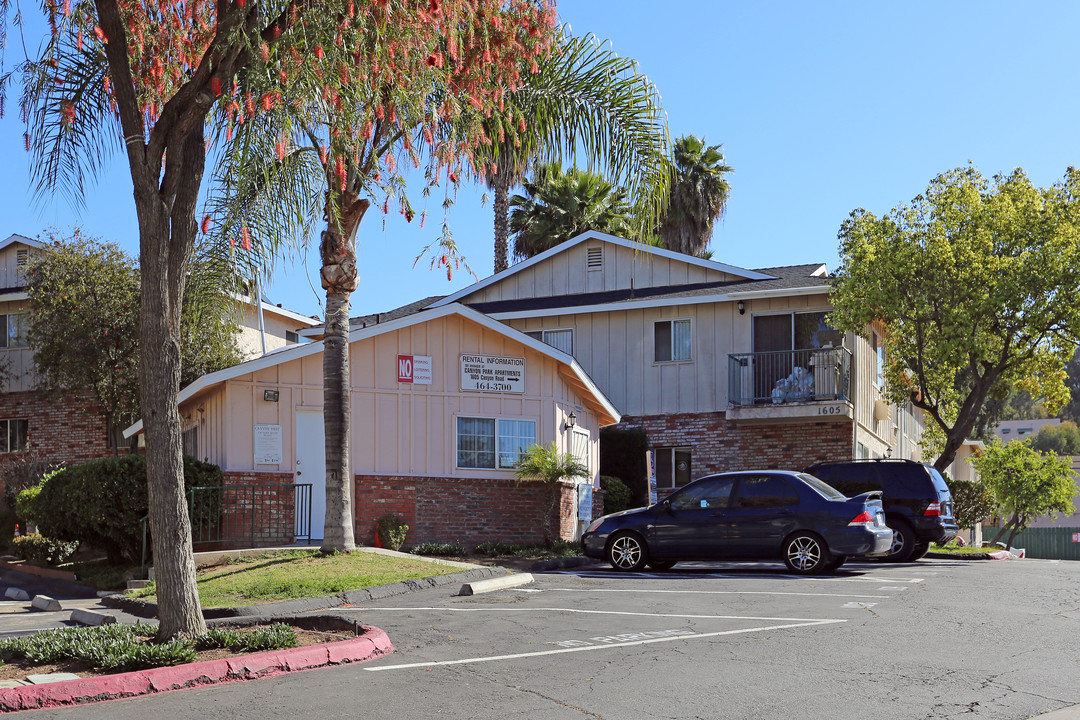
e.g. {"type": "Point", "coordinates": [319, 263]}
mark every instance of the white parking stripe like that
{"type": "Point", "coordinates": [870, 578]}
{"type": "Point", "coordinates": [585, 612]}
{"type": "Point", "coordinates": [590, 648]}
{"type": "Point", "coordinates": [705, 592]}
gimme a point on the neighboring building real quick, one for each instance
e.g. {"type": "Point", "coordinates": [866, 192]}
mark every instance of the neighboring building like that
{"type": "Point", "coordinates": [443, 403]}
{"type": "Point", "coordinates": [1007, 430]}
{"type": "Point", "coordinates": [55, 425]}
{"type": "Point", "coordinates": [278, 328]}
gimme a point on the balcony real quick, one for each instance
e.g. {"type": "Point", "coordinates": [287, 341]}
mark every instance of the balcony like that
{"type": "Point", "coordinates": [812, 384]}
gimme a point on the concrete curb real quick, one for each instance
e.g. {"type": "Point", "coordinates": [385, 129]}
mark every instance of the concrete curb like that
{"type": "Point", "coordinates": [492, 584]}
{"type": "Point", "coordinates": [995, 555]}
{"type": "Point", "coordinates": [374, 643]}
{"type": "Point", "coordinates": [561, 563]}
{"type": "Point", "coordinates": [145, 609]}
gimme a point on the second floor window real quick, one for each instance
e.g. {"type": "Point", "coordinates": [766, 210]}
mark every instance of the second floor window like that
{"type": "Point", "coordinates": [13, 330]}
{"type": "Point", "coordinates": [671, 339]}
{"type": "Point", "coordinates": [558, 339]}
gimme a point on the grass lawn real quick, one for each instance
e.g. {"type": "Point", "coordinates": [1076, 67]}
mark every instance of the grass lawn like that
{"type": "Point", "coordinates": [966, 550]}
{"type": "Point", "coordinates": [301, 574]}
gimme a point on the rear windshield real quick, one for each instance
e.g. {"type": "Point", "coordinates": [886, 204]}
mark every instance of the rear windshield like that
{"type": "Point", "coordinates": [939, 482]}
{"type": "Point", "coordinates": [824, 489]}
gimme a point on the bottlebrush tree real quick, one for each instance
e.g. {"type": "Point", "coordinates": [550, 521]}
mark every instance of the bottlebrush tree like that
{"type": "Point", "coordinates": [148, 76]}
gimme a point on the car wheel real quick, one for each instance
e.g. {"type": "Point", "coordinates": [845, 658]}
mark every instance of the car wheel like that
{"type": "Point", "coordinates": [920, 550]}
{"type": "Point", "coordinates": [662, 564]}
{"type": "Point", "coordinates": [627, 551]}
{"type": "Point", "coordinates": [903, 544]}
{"type": "Point", "coordinates": [805, 553]}
{"type": "Point", "coordinates": [834, 564]}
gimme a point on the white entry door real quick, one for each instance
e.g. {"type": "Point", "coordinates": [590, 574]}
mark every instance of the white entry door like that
{"type": "Point", "coordinates": [311, 465]}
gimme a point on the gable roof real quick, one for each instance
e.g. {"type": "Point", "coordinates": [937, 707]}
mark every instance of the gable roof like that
{"type": "Point", "coordinates": [363, 321]}
{"type": "Point", "coordinates": [613, 239]}
{"type": "Point", "coordinates": [16, 238]}
{"type": "Point", "coordinates": [577, 375]}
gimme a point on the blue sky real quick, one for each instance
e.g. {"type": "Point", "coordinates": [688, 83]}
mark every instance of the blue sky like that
{"type": "Point", "coordinates": [821, 108]}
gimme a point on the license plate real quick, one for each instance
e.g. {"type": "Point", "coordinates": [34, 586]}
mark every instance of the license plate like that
{"type": "Point", "coordinates": [879, 519]}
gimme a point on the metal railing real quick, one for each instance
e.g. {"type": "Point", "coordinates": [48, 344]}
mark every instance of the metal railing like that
{"type": "Point", "coordinates": [255, 515]}
{"type": "Point", "coordinates": [789, 376]}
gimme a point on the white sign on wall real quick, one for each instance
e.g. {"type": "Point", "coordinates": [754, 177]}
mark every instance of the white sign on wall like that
{"type": "Point", "coordinates": [267, 444]}
{"type": "Point", "coordinates": [492, 373]}
{"type": "Point", "coordinates": [415, 369]}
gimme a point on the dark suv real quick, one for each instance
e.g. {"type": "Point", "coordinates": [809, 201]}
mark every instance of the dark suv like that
{"type": "Point", "coordinates": [918, 506]}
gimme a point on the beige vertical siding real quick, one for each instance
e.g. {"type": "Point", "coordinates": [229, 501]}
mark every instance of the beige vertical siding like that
{"type": "Point", "coordinates": [398, 429]}
{"type": "Point", "coordinates": [21, 374]}
{"type": "Point", "coordinates": [11, 275]}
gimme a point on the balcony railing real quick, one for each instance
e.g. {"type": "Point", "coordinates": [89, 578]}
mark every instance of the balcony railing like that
{"type": "Point", "coordinates": [789, 376]}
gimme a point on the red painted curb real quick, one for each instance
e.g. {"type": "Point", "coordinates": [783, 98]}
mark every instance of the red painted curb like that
{"type": "Point", "coordinates": [372, 644]}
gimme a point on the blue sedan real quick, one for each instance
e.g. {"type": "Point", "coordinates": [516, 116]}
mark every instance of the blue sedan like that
{"type": "Point", "coordinates": [755, 515]}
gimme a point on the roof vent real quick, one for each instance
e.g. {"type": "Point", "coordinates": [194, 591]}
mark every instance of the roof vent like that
{"type": "Point", "coordinates": [594, 258]}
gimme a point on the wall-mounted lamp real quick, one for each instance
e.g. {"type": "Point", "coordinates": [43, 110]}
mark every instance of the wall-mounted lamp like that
{"type": "Point", "coordinates": [742, 308]}
{"type": "Point", "coordinates": [271, 395]}
{"type": "Point", "coordinates": [888, 452]}
{"type": "Point", "coordinates": [571, 420]}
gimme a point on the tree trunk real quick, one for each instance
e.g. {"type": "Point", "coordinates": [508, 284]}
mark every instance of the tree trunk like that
{"type": "Point", "coordinates": [339, 279]}
{"type": "Point", "coordinates": [167, 236]}
{"type": "Point", "coordinates": [1009, 524]}
{"type": "Point", "coordinates": [502, 222]}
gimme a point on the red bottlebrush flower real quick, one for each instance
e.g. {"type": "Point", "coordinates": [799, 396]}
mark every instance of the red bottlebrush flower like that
{"type": "Point", "coordinates": [435, 60]}
{"type": "Point", "coordinates": [379, 112]}
{"type": "Point", "coordinates": [206, 224]}
{"type": "Point", "coordinates": [249, 105]}
{"type": "Point", "coordinates": [319, 52]}
{"type": "Point", "coordinates": [215, 86]}
{"type": "Point", "coordinates": [409, 215]}
{"type": "Point", "coordinates": [449, 273]}
{"type": "Point", "coordinates": [245, 238]}
{"type": "Point", "coordinates": [322, 154]}
{"type": "Point", "coordinates": [232, 242]}
{"type": "Point", "coordinates": [475, 102]}
{"type": "Point", "coordinates": [453, 177]}
{"type": "Point", "coordinates": [240, 3]}
{"type": "Point", "coordinates": [494, 169]}
{"type": "Point", "coordinates": [78, 39]}
{"type": "Point", "coordinates": [100, 34]}
{"type": "Point", "coordinates": [280, 150]}
{"type": "Point", "coordinates": [267, 101]}
{"type": "Point", "coordinates": [284, 76]}
{"type": "Point", "coordinates": [339, 168]}
{"type": "Point", "coordinates": [423, 219]}
{"type": "Point", "coordinates": [264, 52]}
{"type": "Point", "coordinates": [67, 109]}
{"type": "Point", "coordinates": [434, 7]}
{"type": "Point", "coordinates": [386, 206]}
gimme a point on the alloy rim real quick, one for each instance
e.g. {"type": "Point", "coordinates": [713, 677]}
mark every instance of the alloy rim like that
{"type": "Point", "coordinates": [898, 542]}
{"type": "Point", "coordinates": [804, 553]}
{"type": "Point", "coordinates": [626, 552]}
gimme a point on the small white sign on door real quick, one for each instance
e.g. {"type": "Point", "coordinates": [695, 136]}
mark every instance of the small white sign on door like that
{"type": "Point", "coordinates": [267, 444]}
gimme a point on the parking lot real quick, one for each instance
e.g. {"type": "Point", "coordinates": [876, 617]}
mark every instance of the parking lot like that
{"type": "Point", "coordinates": [932, 639]}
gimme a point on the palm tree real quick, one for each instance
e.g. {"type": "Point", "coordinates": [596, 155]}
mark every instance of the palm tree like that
{"type": "Point", "coordinates": [699, 195]}
{"type": "Point", "coordinates": [558, 206]}
{"type": "Point", "coordinates": [547, 465]}
{"type": "Point", "coordinates": [582, 98]}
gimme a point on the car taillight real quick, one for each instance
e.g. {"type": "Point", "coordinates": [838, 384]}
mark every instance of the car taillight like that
{"type": "Point", "coordinates": [864, 518]}
{"type": "Point", "coordinates": [933, 508]}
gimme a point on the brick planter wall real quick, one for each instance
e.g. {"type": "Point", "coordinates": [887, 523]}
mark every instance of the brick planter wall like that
{"type": "Point", "coordinates": [465, 510]}
{"type": "Point", "coordinates": [718, 445]}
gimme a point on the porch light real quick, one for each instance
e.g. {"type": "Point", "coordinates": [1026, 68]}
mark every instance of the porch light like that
{"type": "Point", "coordinates": [270, 395]}
{"type": "Point", "coordinates": [742, 308]}
{"type": "Point", "coordinates": [571, 420]}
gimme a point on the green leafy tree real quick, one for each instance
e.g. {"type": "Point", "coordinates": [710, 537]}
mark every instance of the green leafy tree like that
{"type": "Point", "coordinates": [699, 196]}
{"type": "Point", "coordinates": [559, 205]}
{"type": "Point", "coordinates": [84, 325]}
{"type": "Point", "coordinates": [967, 283]}
{"type": "Point", "coordinates": [153, 72]}
{"type": "Point", "coordinates": [1026, 483]}
{"type": "Point", "coordinates": [1063, 439]}
{"type": "Point", "coordinates": [545, 464]}
{"type": "Point", "coordinates": [583, 101]}
{"type": "Point", "coordinates": [1071, 411]}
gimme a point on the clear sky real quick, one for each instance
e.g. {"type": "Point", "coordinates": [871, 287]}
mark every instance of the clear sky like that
{"type": "Point", "coordinates": [821, 108]}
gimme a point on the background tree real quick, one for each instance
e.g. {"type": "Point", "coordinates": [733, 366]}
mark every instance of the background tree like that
{"type": "Point", "coordinates": [966, 283]}
{"type": "Point", "coordinates": [1026, 483]}
{"type": "Point", "coordinates": [341, 147]}
{"type": "Point", "coordinates": [545, 464]}
{"type": "Point", "coordinates": [560, 205]}
{"type": "Point", "coordinates": [583, 101]}
{"type": "Point", "coordinates": [1063, 439]}
{"type": "Point", "coordinates": [699, 196]}
{"type": "Point", "coordinates": [972, 502]}
{"type": "Point", "coordinates": [1071, 411]}
{"type": "Point", "coordinates": [84, 325]}
{"type": "Point", "coordinates": [158, 68]}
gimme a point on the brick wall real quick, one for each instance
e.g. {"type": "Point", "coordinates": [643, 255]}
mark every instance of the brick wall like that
{"type": "Point", "coordinates": [465, 510]}
{"type": "Point", "coordinates": [253, 509]}
{"type": "Point", "coordinates": [59, 426]}
{"type": "Point", "coordinates": [718, 445]}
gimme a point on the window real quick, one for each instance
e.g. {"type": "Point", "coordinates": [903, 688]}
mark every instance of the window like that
{"type": "Point", "coordinates": [672, 467]}
{"type": "Point", "coordinates": [13, 330]}
{"type": "Point", "coordinates": [558, 339]}
{"type": "Point", "coordinates": [114, 434]}
{"type": "Point", "coordinates": [767, 491]}
{"type": "Point", "coordinates": [291, 338]}
{"type": "Point", "coordinates": [671, 340]}
{"type": "Point", "coordinates": [189, 441]}
{"type": "Point", "coordinates": [13, 435]}
{"type": "Point", "coordinates": [708, 494]}
{"type": "Point", "coordinates": [878, 347]}
{"type": "Point", "coordinates": [580, 447]}
{"type": "Point", "coordinates": [478, 439]}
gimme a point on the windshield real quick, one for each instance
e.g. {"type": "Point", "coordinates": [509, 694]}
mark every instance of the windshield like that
{"type": "Point", "coordinates": [823, 488]}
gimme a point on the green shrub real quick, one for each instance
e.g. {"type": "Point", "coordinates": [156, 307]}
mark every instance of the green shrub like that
{"type": "Point", "coordinates": [270, 637]}
{"type": "Point", "coordinates": [622, 455]}
{"type": "Point", "coordinates": [391, 531]}
{"type": "Point", "coordinates": [25, 471]}
{"type": "Point", "coordinates": [617, 496]}
{"type": "Point", "coordinates": [440, 548]}
{"type": "Point", "coordinates": [494, 549]}
{"type": "Point", "coordinates": [24, 504]}
{"type": "Point", "coordinates": [42, 550]}
{"type": "Point", "coordinates": [109, 647]}
{"type": "Point", "coordinates": [972, 502]}
{"type": "Point", "coordinates": [102, 502]}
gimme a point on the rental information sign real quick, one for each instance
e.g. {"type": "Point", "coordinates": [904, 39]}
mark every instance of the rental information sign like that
{"type": "Point", "coordinates": [492, 373]}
